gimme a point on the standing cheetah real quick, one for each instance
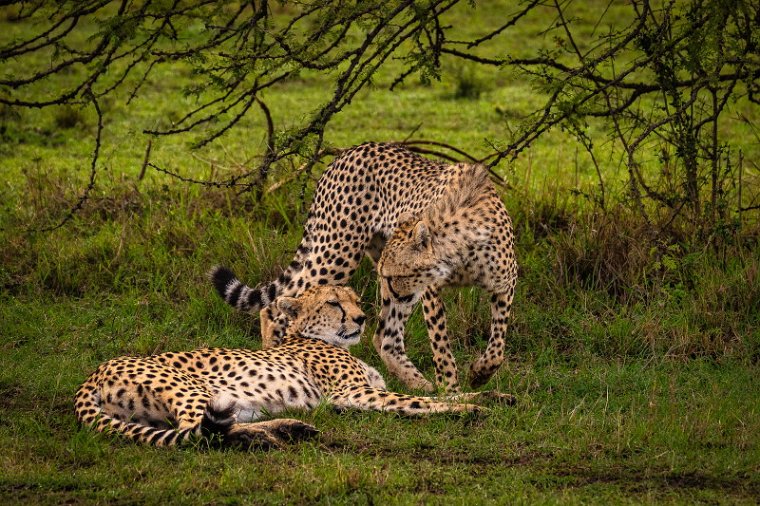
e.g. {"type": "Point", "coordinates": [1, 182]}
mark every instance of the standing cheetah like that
{"type": "Point", "coordinates": [167, 399]}
{"type": "Point", "coordinates": [359, 203]}
{"type": "Point", "coordinates": [464, 238]}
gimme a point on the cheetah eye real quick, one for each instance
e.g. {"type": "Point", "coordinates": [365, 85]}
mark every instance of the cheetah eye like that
{"type": "Point", "coordinates": [333, 303]}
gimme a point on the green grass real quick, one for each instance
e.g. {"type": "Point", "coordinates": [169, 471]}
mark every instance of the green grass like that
{"type": "Point", "coordinates": [635, 370]}
{"type": "Point", "coordinates": [585, 430]}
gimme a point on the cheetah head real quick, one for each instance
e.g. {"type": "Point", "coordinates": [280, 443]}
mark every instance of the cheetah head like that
{"type": "Point", "coordinates": [409, 263]}
{"type": "Point", "coordinates": [329, 313]}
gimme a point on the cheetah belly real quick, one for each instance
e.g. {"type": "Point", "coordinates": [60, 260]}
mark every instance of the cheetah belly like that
{"type": "Point", "coordinates": [269, 393]}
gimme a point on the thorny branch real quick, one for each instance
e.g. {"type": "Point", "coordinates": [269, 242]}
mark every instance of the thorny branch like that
{"type": "Point", "coordinates": [668, 74]}
{"type": "Point", "coordinates": [93, 169]}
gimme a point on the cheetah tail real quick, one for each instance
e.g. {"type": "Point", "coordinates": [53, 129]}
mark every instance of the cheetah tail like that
{"type": "Point", "coordinates": [89, 412]}
{"type": "Point", "coordinates": [239, 295]}
{"type": "Point", "coordinates": [218, 419]}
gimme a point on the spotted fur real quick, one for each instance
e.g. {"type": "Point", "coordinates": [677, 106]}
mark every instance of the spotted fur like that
{"type": "Point", "coordinates": [464, 238]}
{"type": "Point", "coordinates": [167, 399]}
{"type": "Point", "coordinates": [359, 203]}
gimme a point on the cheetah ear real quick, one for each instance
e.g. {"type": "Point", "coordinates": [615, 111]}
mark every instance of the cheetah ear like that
{"type": "Point", "coordinates": [289, 306]}
{"type": "Point", "coordinates": [421, 235]}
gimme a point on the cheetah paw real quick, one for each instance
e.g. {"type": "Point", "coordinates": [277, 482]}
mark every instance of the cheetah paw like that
{"type": "Point", "coordinates": [499, 398]}
{"type": "Point", "coordinates": [419, 383]}
{"type": "Point", "coordinates": [480, 373]}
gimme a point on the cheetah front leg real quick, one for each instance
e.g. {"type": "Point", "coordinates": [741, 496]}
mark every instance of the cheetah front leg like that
{"type": "Point", "coordinates": [376, 399]}
{"type": "Point", "coordinates": [446, 373]}
{"type": "Point", "coordinates": [484, 367]}
{"type": "Point", "coordinates": [389, 343]}
{"type": "Point", "coordinates": [487, 395]}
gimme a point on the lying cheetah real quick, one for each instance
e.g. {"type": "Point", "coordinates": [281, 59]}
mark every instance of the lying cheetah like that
{"type": "Point", "coordinates": [167, 399]}
{"type": "Point", "coordinates": [359, 203]}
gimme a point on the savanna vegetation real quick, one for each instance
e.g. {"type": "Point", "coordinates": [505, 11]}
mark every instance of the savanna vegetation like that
{"type": "Point", "coordinates": [143, 142]}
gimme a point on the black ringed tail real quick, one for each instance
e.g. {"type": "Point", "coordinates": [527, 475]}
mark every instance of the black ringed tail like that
{"type": "Point", "coordinates": [239, 295]}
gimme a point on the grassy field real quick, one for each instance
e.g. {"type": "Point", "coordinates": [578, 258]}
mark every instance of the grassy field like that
{"type": "Point", "coordinates": [636, 373]}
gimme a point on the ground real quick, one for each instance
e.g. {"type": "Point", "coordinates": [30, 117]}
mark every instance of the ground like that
{"type": "Point", "coordinates": [626, 393]}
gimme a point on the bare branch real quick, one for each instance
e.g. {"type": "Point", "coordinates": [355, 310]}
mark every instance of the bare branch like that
{"type": "Point", "coordinates": [93, 170]}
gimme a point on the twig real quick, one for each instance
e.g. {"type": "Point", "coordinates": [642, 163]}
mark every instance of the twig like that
{"type": "Point", "coordinates": [295, 173]}
{"type": "Point", "coordinates": [271, 153]}
{"type": "Point", "coordinates": [93, 169]}
{"type": "Point", "coordinates": [417, 142]}
{"type": "Point", "coordinates": [230, 183]}
{"type": "Point", "coordinates": [146, 159]}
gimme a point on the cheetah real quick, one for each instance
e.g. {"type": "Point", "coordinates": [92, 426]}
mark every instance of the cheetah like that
{"type": "Point", "coordinates": [359, 203]}
{"type": "Point", "coordinates": [464, 238]}
{"type": "Point", "coordinates": [175, 397]}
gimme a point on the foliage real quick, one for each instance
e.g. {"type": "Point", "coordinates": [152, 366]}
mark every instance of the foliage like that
{"type": "Point", "coordinates": [661, 77]}
{"type": "Point", "coordinates": [634, 344]}
{"type": "Point", "coordinates": [663, 84]}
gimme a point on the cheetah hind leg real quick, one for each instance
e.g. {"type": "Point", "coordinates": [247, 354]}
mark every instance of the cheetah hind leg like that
{"type": "Point", "coordinates": [268, 328]}
{"type": "Point", "coordinates": [271, 434]}
{"type": "Point", "coordinates": [290, 429]}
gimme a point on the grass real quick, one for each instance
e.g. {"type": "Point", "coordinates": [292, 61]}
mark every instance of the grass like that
{"type": "Point", "coordinates": [594, 430]}
{"type": "Point", "coordinates": [635, 365]}
{"type": "Point", "coordinates": [586, 428]}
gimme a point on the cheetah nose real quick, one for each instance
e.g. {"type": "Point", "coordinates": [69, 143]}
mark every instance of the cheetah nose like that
{"type": "Point", "coordinates": [360, 319]}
